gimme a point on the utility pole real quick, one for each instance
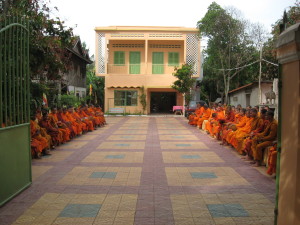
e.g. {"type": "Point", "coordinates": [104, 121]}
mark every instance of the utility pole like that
{"type": "Point", "coordinates": [259, 77]}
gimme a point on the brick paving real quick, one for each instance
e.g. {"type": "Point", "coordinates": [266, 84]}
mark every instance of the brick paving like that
{"type": "Point", "coordinates": [143, 171]}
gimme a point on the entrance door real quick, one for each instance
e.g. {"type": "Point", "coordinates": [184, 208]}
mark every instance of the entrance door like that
{"type": "Point", "coordinates": [135, 62]}
{"type": "Point", "coordinates": [162, 102]}
{"type": "Point", "coordinates": [248, 99]}
{"type": "Point", "coordinates": [157, 63]}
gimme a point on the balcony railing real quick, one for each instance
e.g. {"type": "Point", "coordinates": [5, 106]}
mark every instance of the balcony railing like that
{"type": "Point", "coordinates": [142, 68]}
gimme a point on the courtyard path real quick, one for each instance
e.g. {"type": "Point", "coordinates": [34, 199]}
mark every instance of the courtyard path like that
{"type": "Point", "coordinates": [143, 171]}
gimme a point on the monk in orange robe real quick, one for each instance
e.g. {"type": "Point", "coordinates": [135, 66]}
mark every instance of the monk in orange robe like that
{"type": "Point", "coordinates": [88, 119]}
{"type": "Point", "coordinates": [68, 114]}
{"type": "Point", "coordinates": [39, 144]}
{"type": "Point", "coordinates": [88, 123]}
{"type": "Point", "coordinates": [205, 115]}
{"type": "Point", "coordinates": [52, 131]}
{"type": "Point", "coordinates": [77, 118]}
{"type": "Point", "coordinates": [100, 113]}
{"type": "Point", "coordinates": [213, 125]}
{"type": "Point", "coordinates": [264, 139]}
{"type": "Point", "coordinates": [63, 119]}
{"type": "Point", "coordinates": [196, 114]}
{"type": "Point", "coordinates": [212, 110]}
{"type": "Point", "coordinates": [240, 125]}
{"type": "Point", "coordinates": [248, 141]}
{"type": "Point", "coordinates": [89, 111]}
{"type": "Point", "coordinates": [253, 123]}
{"type": "Point", "coordinates": [63, 129]}
{"type": "Point", "coordinates": [272, 160]}
{"type": "Point", "coordinates": [229, 118]}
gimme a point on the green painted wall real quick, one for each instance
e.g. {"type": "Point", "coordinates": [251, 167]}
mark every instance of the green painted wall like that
{"type": "Point", "coordinates": [15, 161]}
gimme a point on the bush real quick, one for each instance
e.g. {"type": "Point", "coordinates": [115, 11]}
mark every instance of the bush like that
{"type": "Point", "coordinates": [70, 100]}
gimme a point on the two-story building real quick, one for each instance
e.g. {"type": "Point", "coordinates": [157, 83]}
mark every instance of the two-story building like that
{"type": "Point", "coordinates": [133, 57]}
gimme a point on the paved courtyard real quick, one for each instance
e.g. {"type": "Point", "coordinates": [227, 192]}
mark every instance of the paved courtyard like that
{"type": "Point", "coordinates": [143, 171]}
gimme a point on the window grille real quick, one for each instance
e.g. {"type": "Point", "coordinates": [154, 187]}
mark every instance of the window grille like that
{"type": "Point", "coordinates": [164, 46]}
{"type": "Point", "coordinates": [128, 45]}
{"type": "Point", "coordinates": [128, 35]}
{"type": "Point", "coordinates": [163, 35]}
{"type": "Point", "coordinates": [193, 52]}
{"type": "Point", "coordinates": [101, 53]}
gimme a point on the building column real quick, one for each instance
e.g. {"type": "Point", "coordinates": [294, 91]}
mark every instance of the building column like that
{"type": "Point", "coordinates": [288, 54]}
{"type": "Point", "coordinates": [146, 56]}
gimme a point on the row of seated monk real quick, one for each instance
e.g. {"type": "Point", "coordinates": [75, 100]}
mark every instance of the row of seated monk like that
{"type": "Point", "coordinates": [50, 128]}
{"type": "Point", "coordinates": [251, 133]}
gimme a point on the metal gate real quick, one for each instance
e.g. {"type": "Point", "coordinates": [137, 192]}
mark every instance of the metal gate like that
{"type": "Point", "coordinates": [15, 155]}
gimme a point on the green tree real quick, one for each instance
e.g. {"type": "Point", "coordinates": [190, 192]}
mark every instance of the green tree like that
{"type": "Point", "coordinates": [143, 98]}
{"type": "Point", "coordinates": [97, 83]}
{"type": "Point", "coordinates": [292, 16]}
{"type": "Point", "coordinates": [230, 45]}
{"type": "Point", "coordinates": [184, 81]}
{"type": "Point", "coordinates": [48, 37]}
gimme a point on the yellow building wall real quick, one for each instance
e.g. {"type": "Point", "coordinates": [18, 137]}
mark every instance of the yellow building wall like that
{"type": "Point", "coordinates": [150, 39]}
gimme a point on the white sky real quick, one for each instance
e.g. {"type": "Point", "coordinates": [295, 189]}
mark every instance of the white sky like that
{"type": "Point", "coordinates": [88, 14]}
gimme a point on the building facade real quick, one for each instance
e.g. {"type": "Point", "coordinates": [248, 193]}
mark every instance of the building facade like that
{"type": "Point", "coordinates": [249, 94]}
{"type": "Point", "coordinates": [134, 57]}
{"type": "Point", "coordinates": [74, 81]}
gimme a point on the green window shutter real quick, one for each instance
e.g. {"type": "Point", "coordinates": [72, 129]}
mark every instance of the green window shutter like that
{"type": "Point", "coordinates": [173, 59]}
{"type": "Point", "coordinates": [119, 58]}
{"type": "Point", "coordinates": [157, 63]}
{"type": "Point", "coordinates": [134, 61]}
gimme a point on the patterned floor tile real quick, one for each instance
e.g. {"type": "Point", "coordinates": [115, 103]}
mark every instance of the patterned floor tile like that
{"type": "Point", "coordinates": [37, 171]}
{"type": "Point", "coordinates": [122, 145]}
{"type": "Point", "coordinates": [73, 145]}
{"type": "Point", "coordinates": [190, 157]}
{"type": "Point", "coordinates": [131, 132]}
{"type": "Point", "coordinates": [216, 209]}
{"type": "Point", "coordinates": [183, 131]}
{"type": "Point", "coordinates": [178, 137]}
{"type": "Point", "coordinates": [80, 209]}
{"type": "Point", "coordinates": [110, 176]}
{"type": "Point", "coordinates": [107, 157]}
{"type": "Point", "coordinates": [182, 145]}
{"type": "Point", "coordinates": [195, 176]}
{"type": "Point", "coordinates": [127, 137]}
{"type": "Point", "coordinates": [87, 137]}
{"type": "Point", "coordinates": [57, 156]}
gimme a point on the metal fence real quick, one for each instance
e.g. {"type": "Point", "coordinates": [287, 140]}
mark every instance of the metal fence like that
{"type": "Point", "coordinates": [14, 72]}
{"type": "Point", "coordinates": [15, 155]}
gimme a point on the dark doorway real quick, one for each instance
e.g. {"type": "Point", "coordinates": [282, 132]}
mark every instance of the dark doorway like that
{"type": "Point", "coordinates": [162, 102]}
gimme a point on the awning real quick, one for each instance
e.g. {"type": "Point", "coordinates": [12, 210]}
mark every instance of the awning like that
{"type": "Point", "coordinates": [124, 87]}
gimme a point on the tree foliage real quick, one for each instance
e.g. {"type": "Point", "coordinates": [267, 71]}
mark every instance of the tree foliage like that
{"type": "Point", "coordinates": [97, 83]}
{"type": "Point", "coordinates": [143, 98]}
{"type": "Point", "coordinates": [269, 49]}
{"type": "Point", "coordinates": [48, 37]}
{"type": "Point", "coordinates": [184, 81]}
{"type": "Point", "coordinates": [230, 45]}
{"type": "Point", "coordinates": [233, 43]}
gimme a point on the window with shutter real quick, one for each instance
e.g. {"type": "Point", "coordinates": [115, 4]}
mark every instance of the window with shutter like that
{"type": "Point", "coordinates": [173, 59]}
{"type": "Point", "coordinates": [134, 61]}
{"type": "Point", "coordinates": [157, 63]}
{"type": "Point", "coordinates": [119, 58]}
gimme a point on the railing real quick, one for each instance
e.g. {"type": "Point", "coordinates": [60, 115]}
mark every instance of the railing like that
{"type": "Point", "coordinates": [142, 68]}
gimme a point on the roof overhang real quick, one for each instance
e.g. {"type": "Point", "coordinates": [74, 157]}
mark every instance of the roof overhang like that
{"type": "Point", "coordinates": [146, 28]}
{"type": "Point", "coordinates": [124, 87]}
